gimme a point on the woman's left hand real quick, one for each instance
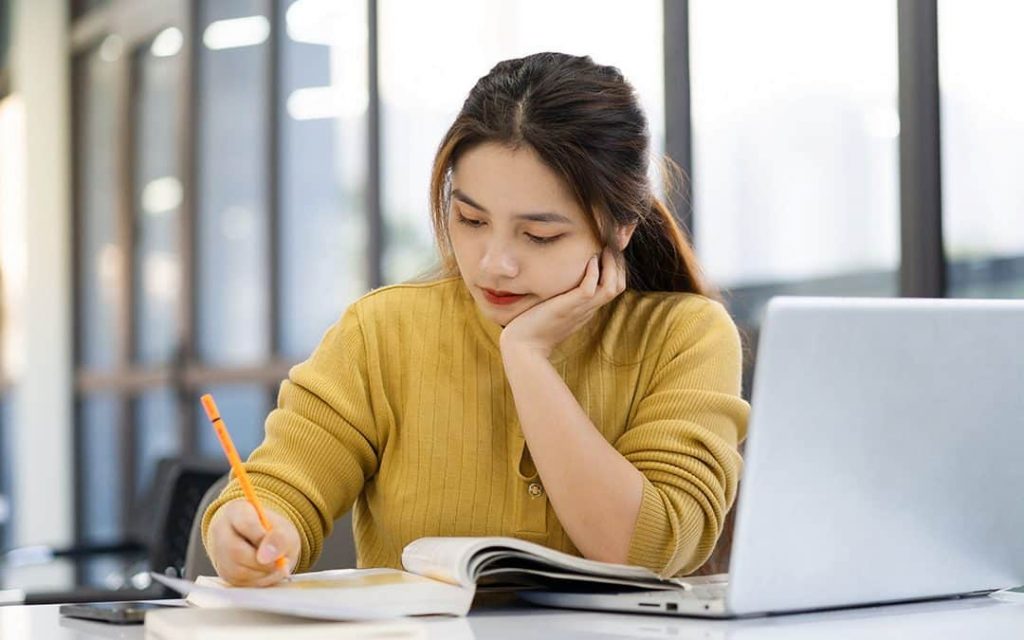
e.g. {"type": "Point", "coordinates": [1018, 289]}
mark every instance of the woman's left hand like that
{"type": "Point", "coordinates": [543, 327]}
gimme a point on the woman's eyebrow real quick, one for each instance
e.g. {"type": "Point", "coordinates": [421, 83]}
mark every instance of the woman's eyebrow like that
{"type": "Point", "coordinates": [535, 217]}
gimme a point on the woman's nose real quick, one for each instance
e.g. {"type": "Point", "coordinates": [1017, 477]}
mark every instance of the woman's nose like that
{"type": "Point", "coordinates": [498, 260]}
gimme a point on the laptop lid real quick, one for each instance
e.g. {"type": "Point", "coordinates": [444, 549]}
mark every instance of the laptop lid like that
{"type": "Point", "coordinates": [885, 457]}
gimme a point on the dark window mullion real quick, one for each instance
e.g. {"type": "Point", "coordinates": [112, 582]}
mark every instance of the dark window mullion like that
{"type": "Point", "coordinates": [78, 473]}
{"type": "Point", "coordinates": [125, 146]}
{"type": "Point", "coordinates": [77, 278]}
{"type": "Point", "coordinates": [374, 211]}
{"type": "Point", "coordinates": [275, 111]}
{"type": "Point", "coordinates": [922, 262]}
{"type": "Point", "coordinates": [678, 121]}
{"type": "Point", "coordinates": [273, 191]}
{"type": "Point", "coordinates": [186, 352]}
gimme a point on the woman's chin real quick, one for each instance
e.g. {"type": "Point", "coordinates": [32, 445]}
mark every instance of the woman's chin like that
{"type": "Point", "coordinates": [501, 316]}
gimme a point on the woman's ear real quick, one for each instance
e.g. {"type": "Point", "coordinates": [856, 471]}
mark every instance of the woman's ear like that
{"type": "Point", "coordinates": [623, 235]}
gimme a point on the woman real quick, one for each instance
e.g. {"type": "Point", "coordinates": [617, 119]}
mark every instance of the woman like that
{"type": "Point", "coordinates": [565, 378]}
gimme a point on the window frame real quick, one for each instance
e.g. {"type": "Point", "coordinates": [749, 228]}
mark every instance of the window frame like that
{"type": "Point", "coordinates": [922, 270]}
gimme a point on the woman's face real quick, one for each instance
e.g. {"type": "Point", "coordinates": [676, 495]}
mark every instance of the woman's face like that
{"type": "Point", "coordinates": [516, 229]}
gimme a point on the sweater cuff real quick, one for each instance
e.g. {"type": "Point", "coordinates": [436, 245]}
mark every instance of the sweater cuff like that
{"type": "Point", "coordinates": [656, 542]}
{"type": "Point", "coordinates": [647, 546]}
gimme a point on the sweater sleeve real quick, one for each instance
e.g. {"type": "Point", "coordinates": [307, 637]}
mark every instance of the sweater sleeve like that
{"type": "Point", "coordinates": [321, 443]}
{"type": "Point", "coordinates": [684, 440]}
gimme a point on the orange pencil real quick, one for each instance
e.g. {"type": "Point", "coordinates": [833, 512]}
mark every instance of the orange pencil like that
{"type": "Point", "coordinates": [236, 465]}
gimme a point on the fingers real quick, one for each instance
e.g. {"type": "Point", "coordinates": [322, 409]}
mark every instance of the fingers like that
{"type": "Point", "coordinates": [244, 553]}
{"type": "Point", "coordinates": [243, 576]}
{"type": "Point", "coordinates": [239, 554]}
{"type": "Point", "coordinates": [284, 537]}
{"type": "Point", "coordinates": [591, 277]}
{"type": "Point", "coordinates": [613, 276]}
{"type": "Point", "coordinates": [245, 521]}
{"type": "Point", "coordinates": [235, 561]}
{"type": "Point", "coordinates": [272, 546]}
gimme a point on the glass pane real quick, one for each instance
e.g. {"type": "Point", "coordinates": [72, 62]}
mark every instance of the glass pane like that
{"type": "Point", "coordinates": [323, 167]}
{"type": "Point", "coordinates": [982, 133]}
{"type": "Point", "coordinates": [986, 278]}
{"type": "Point", "coordinates": [426, 78]}
{"type": "Point", "coordinates": [795, 130]}
{"type": "Point", "coordinates": [157, 198]}
{"type": "Point", "coordinates": [243, 408]}
{"type": "Point", "coordinates": [157, 434]}
{"type": "Point", "coordinates": [231, 182]}
{"type": "Point", "coordinates": [100, 468]}
{"type": "Point", "coordinates": [100, 257]}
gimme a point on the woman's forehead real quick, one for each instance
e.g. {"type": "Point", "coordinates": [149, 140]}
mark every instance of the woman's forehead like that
{"type": "Point", "coordinates": [500, 180]}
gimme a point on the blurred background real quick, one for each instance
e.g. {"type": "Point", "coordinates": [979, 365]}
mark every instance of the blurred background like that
{"type": "Point", "coordinates": [191, 191]}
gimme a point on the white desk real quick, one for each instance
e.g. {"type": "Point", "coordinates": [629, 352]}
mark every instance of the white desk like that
{"type": "Point", "coordinates": [976, 618]}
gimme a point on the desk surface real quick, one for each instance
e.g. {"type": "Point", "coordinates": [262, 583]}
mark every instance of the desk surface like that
{"type": "Point", "coordinates": [980, 617]}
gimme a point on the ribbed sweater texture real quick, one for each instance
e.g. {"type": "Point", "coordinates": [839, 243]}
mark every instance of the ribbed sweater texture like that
{"type": "Point", "coordinates": [403, 413]}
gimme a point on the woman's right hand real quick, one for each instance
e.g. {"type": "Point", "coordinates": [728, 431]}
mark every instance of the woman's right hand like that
{"type": "Point", "coordinates": [243, 553]}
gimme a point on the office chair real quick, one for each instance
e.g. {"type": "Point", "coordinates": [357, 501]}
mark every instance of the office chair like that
{"type": "Point", "coordinates": [339, 550]}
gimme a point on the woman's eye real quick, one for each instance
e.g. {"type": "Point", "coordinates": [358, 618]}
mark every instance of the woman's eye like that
{"type": "Point", "coordinates": [542, 239]}
{"type": "Point", "coordinates": [476, 224]}
{"type": "Point", "coordinates": [469, 221]}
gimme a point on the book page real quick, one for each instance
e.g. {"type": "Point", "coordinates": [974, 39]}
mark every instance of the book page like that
{"type": "Point", "coordinates": [444, 559]}
{"type": "Point", "coordinates": [465, 560]}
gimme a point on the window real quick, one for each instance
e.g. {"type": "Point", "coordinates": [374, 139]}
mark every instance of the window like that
{"type": "Point", "coordinates": [156, 199]}
{"type": "Point", "coordinates": [99, 256]}
{"type": "Point", "coordinates": [12, 265]}
{"type": "Point", "coordinates": [232, 212]}
{"type": "Point", "coordinates": [431, 55]}
{"type": "Point", "coordinates": [129, 272]}
{"type": "Point", "coordinates": [222, 226]}
{"type": "Point", "coordinates": [226, 158]}
{"type": "Point", "coordinates": [323, 127]}
{"type": "Point", "coordinates": [795, 150]}
{"type": "Point", "coordinates": [219, 226]}
{"type": "Point", "coordinates": [982, 133]}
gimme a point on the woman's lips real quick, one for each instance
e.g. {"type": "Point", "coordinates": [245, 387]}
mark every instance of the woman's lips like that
{"type": "Point", "coordinates": [501, 297]}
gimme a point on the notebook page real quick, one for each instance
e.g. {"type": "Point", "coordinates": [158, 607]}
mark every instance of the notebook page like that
{"type": "Point", "coordinates": [348, 594]}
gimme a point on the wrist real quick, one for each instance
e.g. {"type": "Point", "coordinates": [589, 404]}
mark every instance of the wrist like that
{"type": "Point", "coordinates": [516, 353]}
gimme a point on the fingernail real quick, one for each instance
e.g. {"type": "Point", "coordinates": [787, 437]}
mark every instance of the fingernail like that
{"type": "Point", "coordinates": [267, 554]}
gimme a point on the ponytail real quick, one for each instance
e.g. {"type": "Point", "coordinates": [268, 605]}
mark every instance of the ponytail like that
{"type": "Point", "coordinates": [660, 258]}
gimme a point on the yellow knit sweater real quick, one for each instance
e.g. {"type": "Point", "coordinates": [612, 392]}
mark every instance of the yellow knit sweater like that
{"type": "Point", "coordinates": [403, 411]}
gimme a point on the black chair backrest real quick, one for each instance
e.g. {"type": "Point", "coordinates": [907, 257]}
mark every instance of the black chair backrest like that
{"type": "Point", "coordinates": [177, 498]}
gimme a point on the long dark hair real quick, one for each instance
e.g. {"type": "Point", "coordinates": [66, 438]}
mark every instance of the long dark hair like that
{"type": "Point", "coordinates": [586, 124]}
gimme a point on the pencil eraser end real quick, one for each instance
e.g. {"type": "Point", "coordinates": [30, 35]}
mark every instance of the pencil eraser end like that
{"type": "Point", "coordinates": [209, 406]}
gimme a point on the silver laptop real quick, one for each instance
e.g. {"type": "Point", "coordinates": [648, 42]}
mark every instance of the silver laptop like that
{"type": "Point", "coordinates": [885, 462]}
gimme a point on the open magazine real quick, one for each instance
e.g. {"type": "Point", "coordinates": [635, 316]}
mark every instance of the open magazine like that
{"type": "Point", "coordinates": [441, 577]}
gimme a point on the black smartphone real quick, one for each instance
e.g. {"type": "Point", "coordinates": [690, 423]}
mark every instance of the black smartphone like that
{"type": "Point", "coordinates": [112, 612]}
